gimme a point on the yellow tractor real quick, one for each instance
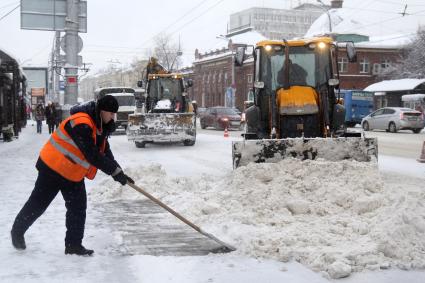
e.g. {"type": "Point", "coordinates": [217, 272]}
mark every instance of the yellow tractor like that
{"type": "Point", "coordinates": [297, 110]}
{"type": "Point", "coordinates": [166, 114]}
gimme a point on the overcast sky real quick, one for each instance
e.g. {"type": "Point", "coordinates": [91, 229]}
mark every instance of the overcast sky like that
{"type": "Point", "coordinates": [123, 30]}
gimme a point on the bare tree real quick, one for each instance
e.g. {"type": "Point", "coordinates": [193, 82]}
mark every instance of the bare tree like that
{"type": "Point", "coordinates": [138, 66]}
{"type": "Point", "coordinates": [167, 52]}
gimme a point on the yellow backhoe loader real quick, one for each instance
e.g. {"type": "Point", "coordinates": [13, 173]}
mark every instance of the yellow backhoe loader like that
{"type": "Point", "coordinates": [167, 113]}
{"type": "Point", "coordinates": [297, 111]}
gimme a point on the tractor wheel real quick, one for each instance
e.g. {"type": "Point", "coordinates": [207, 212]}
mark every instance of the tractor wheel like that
{"type": "Point", "coordinates": [140, 144]}
{"type": "Point", "coordinates": [189, 142]}
{"type": "Point", "coordinates": [392, 128]}
{"type": "Point", "coordinates": [365, 126]}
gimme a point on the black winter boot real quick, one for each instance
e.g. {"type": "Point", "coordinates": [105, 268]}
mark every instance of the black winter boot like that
{"type": "Point", "coordinates": [18, 240]}
{"type": "Point", "coordinates": [78, 250]}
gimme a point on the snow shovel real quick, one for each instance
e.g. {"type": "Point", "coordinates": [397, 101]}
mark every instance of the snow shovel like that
{"type": "Point", "coordinates": [225, 248]}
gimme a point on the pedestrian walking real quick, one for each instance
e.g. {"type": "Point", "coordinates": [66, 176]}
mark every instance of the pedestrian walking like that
{"type": "Point", "coordinates": [28, 110]}
{"type": "Point", "coordinates": [51, 116]}
{"type": "Point", "coordinates": [74, 151]}
{"type": "Point", "coordinates": [58, 114]}
{"type": "Point", "coordinates": [39, 117]}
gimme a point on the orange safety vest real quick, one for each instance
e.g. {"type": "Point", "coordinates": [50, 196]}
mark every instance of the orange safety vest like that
{"type": "Point", "coordinates": [63, 156]}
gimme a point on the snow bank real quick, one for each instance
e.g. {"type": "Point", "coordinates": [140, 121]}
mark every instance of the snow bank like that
{"type": "Point", "coordinates": [334, 217]}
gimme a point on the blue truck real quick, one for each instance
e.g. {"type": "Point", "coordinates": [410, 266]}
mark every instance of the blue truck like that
{"type": "Point", "coordinates": [358, 104]}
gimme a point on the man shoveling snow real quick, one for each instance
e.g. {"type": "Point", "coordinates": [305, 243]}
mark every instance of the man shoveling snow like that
{"type": "Point", "coordinates": [74, 151]}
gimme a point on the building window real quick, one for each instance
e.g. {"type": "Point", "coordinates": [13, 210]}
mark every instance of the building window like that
{"type": "Point", "coordinates": [343, 65]}
{"type": "Point", "coordinates": [249, 79]}
{"type": "Point", "coordinates": [385, 63]}
{"type": "Point", "coordinates": [364, 66]}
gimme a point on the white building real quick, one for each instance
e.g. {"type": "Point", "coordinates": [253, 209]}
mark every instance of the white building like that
{"type": "Point", "coordinates": [276, 23]}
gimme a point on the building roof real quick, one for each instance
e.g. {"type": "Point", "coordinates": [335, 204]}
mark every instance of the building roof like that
{"type": "Point", "coordinates": [413, 97]}
{"type": "Point", "coordinates": [6, 55]}
{"type": "Point", "coordinates": [364, 22]}
{"type": "Point", "coordinates": [395, 85]}
{"type": "Point", "coordinates": [213, 56]}
{"type": "Point", "coordinates": [341, 22]}
{"type": "Point", "coordinates": [389, 41]}
{"type": "Point", "coordinates": [249, 38]}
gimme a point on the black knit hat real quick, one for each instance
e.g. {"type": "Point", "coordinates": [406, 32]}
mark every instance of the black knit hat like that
{"type": "Point", "coordinates": [108, 103]}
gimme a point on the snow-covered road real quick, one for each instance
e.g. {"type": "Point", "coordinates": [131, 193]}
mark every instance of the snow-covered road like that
{"type": "Point", "coordinates": [44, 261]}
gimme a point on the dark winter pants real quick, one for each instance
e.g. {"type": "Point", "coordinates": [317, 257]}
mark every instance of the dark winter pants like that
{"type": "Point", "coordinates": [51, 127]}
{"type": "Point", "coordinates": [39, 125]}
{"type": "Point", "coordinates": [46, 188]}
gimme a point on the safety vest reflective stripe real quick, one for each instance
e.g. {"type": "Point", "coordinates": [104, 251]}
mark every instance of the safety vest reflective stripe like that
{"type": "Point", "coordinates": [69, 154]}
{"type": "Point", "coordinates": [65, 138]}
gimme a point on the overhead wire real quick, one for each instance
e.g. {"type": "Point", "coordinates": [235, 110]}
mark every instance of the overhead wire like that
{"type": "Point", "coordinates": [200, 15]}
{"type": "Point", "coordinates": [10, 4]}
{"type": "Point", "coordinates": [382, 21]}
{"type": "Point", "coordinates": [398, 3]}
{"type": "Point", "coordinates": [37, 53]}
{"type": "Point", "coordinates": [10, 12]}
{"type": "Point", "coordinates": [176, 21]}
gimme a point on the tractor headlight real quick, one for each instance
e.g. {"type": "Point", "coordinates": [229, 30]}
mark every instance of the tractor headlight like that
{"type": "Point", "coordinates": [321, 45]}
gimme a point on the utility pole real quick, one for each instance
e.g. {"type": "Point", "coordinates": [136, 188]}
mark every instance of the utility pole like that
{"type": "Point", "coordinates": [71, 53]}
{"type": "Point", "coordinates": [57, 69]}
{"type": "Point", "coordinates": [51, 70]}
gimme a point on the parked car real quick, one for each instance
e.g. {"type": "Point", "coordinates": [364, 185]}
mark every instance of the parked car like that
{"type": "Point", "coordinates": [221, 118]}
{"type": "Point", "coordinates": [393, 119]}
{"type": "Point", "coordinates": [200, 111]}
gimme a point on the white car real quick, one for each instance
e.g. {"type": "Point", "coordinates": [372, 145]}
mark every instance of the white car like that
{"type": "Point", "coordinates": [393, 119]}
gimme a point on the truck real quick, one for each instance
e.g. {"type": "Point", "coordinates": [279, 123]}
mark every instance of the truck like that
{"type": "Point", "coordinates": [126, 101]}
{"type": "Point", "coordinates": [358, 104]}
{"type": "Point", "coordinates": [167, 113]}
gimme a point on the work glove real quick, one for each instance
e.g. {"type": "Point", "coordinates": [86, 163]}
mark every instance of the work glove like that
{"type": "Point", "coordinates": [122, 178]}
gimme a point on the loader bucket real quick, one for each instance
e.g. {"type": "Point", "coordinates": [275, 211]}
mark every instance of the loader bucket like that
{"type": "Point", "coordinates": [332, 149]}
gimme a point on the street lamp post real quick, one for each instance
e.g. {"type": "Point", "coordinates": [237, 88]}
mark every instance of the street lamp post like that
{"type": "Point", "coordinates": [232, 87]}
{"type": "Point", "coordinates": [327, 13]}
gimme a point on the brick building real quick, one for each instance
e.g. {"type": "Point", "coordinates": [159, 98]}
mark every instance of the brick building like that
{"type": "Point", "coordinates": [212, 78]}
{"type": "Point", "coordinates": [372, 60]}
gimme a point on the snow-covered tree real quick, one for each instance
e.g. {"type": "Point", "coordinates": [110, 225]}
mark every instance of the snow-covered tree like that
{"type": "Point", "coordinates": [413, 63]}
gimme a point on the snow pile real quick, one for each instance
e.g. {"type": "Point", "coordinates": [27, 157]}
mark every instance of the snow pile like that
{"type": "Point", "coordinates": [335, 217]}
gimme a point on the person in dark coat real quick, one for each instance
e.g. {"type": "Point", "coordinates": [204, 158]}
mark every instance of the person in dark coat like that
{"type": "Point", "coordinates": [51, 116]}
{"type": "Point", "coordinates": [39, 117]}
{"type": "Point", "coordinates": [58, 114]}
{"type": "Point", "coordinates": [86, 141]}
